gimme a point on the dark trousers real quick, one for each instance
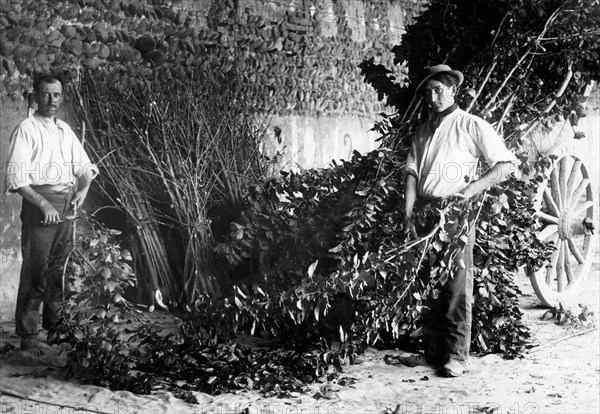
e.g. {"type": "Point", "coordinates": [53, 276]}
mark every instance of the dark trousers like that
{"type": "Point", "coordinates": [447, 319]}
{"type": "Point", "coordinates": [38, 282]}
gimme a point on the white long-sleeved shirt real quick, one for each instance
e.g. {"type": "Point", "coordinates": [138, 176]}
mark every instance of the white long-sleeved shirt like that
{"type": "Point", "coordinates": [45, 151]}
{"type": "Point", "coordinates": [444, 161]}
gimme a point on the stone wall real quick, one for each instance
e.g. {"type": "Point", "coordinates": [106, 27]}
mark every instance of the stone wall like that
{"type": "Point", "coordinates": [10, 206]}
{"type": "Point", "coordinates": [296, 57]}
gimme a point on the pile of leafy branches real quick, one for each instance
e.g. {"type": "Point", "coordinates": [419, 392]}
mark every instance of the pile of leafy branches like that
{"type": "Point", "coordinates": [329, 252]}
{"type": "Point", "coordinates": [354, 282]}
{"type": "Point", "coordinates": [95, 276]}
{"type": "Point", "coordinates": [115, 343]}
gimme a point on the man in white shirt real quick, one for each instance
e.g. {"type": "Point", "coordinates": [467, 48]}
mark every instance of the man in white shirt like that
{"type": "Point", "coordinates": [442, 163]}
{"type": "Point", "coordinates": [49, 168]}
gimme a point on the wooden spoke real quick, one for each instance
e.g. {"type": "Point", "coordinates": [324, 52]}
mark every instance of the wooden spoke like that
{"type": "Point", "coordinates": [575, 251]}
{"type": "Point", "coordinates": [582, 208]}
{"type": "Point", "coordinates": [572, 177]}
{"type": "Point", "coordinates": [555, 188]}
{"type": "Point", "coordinates": [578, 192]}
{"type": "Point", "coordinates": [548, 231]}
{"type": "Point", "coordinates": [560, 274]}
{"type": "Point", "coordinates": [569, 268]}
{"type": "Point", "coordinates": [551, 271]}
{"type": "Point", "coordinates": [550, 203]}
{"type": "Point", "coordinates": [562, 178]}
{"type": "Point", "coordinates": [547, 217]}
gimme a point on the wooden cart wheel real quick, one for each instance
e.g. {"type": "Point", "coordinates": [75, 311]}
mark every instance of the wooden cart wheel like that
{"type": "Point", "coordinates": [566, 208]}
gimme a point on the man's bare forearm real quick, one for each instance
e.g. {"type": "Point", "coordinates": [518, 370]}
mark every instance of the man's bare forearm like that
{"type": "Point", "coordinates": [493, 176]}
{"type": "Point", "coordinates": [83, 185]}
{"type": "Point", "coordinates": [49, 213]}
{"type": "Point", "coordinates": [410, 193]}
{"type": "Point", "coordinates": [33, 197]}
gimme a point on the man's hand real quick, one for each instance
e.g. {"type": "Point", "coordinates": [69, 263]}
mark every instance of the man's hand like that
{"type": "Point", "coordinates": [78, 199]}
{"type": "Point", "coordinates": [493, 176]}
{"type": "Point", "coordinates": [460, 199]}
{"type": "Point", "coordinates": [408, 228]}
{"type": "Point", "coordinates": [51, 215]}
{"type": "Point", "coordinates": [466, 195]}
{"type": "Point", "coordinates": [82, 189]}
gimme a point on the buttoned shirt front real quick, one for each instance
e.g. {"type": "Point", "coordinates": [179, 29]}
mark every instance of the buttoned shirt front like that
{"type": "Point", "coordinates": [445, 159]}
{"type": "Point", "coordinates": [44, 151]}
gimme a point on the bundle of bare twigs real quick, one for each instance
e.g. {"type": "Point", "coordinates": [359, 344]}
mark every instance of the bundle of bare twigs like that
{"type": "Point", "coordinates": [174, 153]}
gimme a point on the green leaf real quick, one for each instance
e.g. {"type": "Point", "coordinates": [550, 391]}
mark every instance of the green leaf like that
{"type": "Point", "coordinates": [312, 268]}
{"type": "Point", "coordinates": [110, 286]}
{"type": "Point", "coordinates": [105, 272]}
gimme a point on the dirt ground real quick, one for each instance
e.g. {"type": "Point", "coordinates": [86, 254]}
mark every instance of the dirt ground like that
{"type": "Point", "coordinates": [560, 374]}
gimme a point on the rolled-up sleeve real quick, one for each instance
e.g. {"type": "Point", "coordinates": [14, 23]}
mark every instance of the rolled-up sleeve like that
{"type": "Point", "coordinates": [83, 166]}
{"type": "Point", "coordinates": [19, 167]}
{"type": "Point", "coordinates": [491, 145]}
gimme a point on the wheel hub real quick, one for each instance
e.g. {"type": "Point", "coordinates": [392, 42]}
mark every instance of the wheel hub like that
{"type": "Point", "coordinates": [564, 226]}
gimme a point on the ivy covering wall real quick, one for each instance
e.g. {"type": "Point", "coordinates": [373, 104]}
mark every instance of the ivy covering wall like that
{"type": "Point", "coordinates": [294, 57]}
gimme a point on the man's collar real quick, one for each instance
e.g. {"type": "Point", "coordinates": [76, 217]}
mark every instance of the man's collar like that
{"type": "Point", "coordinates": [46, 120]}
{"type": "Point", "coordinates": [449, 110]}
{"type": "Point", "coordinates": [436, 118]}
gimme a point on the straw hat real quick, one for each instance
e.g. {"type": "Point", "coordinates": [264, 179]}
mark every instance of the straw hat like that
{"type": "Point", "coordinates": [433, 70]}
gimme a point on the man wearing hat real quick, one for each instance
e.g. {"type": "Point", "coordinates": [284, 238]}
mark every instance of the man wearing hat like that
{"type": "Point", "coordinates": [442, 163]}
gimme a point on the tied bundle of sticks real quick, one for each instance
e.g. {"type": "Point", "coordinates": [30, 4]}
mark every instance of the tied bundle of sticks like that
{"type": "Point", "coordinates": [175, 155]}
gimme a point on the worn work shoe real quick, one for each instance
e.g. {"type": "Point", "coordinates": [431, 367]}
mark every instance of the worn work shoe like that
{"type": "Point", "coordinates": [413, 360]}
{"type": "Point", "coordinates": [453, 368]}
{"type": "Point", "coordinates": [31, 346]}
